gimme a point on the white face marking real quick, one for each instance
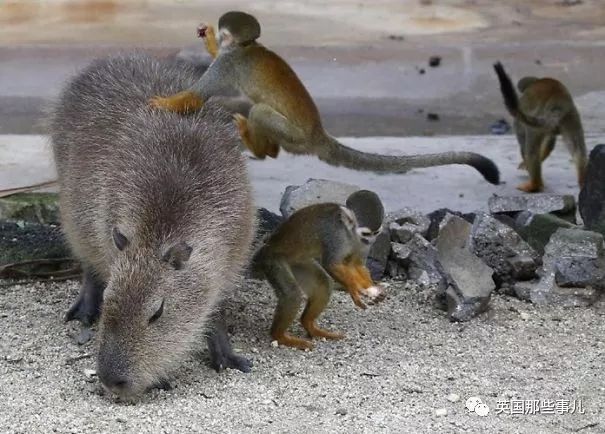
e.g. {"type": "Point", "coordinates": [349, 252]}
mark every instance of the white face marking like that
{"type": "Point", "coordinates": [349, 219]}
{"type": "Point", "coordinates": [225, 38]}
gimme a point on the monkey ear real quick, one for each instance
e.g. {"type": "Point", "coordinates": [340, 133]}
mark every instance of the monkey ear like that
{"type": "Point", "coordinates": [119, 239]}
{"type": "Point", "coordinates": [177, 255]}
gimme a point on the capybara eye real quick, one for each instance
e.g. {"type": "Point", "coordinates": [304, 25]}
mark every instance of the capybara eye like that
{"type": "Point", "coordinates": [157, 314]}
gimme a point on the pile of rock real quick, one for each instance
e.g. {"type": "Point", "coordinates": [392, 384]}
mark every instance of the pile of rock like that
{"type": "Point", "coordinates": [529, 246]}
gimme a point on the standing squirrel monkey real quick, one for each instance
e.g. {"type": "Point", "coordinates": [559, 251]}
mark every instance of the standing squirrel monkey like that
{"type": "Point", "coordinates": [283, 113]}
{"type": "Point", "coordinates": [316, 244]}
{"type": "Point", "coordinates": [544, 111]}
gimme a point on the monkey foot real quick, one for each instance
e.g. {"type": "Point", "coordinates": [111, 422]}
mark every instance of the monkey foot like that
{"type": "Point", "coordinates": [293, 342]}
{"type": "Point", "coordinates": [182, 102]}
{"type": "Point", "coordinates": [318, 332]}
{"type": "Point", "coordinates": [357, 300]}
{"type": "Point", "coordinates": [530, 187]}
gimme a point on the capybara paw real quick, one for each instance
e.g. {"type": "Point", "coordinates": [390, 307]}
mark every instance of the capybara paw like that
{"type": "Point", "coordinates": [83, 310]}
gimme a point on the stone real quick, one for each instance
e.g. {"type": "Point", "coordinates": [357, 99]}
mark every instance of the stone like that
{"type": "Point", "coordinates": [30, 207]}
{"type": "Point", "coordinates": [537, 229]}
{"type": "Point", "coordinates": [542, 203]}
{"type": "Point", "coordinates": [29, 241]}
{"type": "Point", "coordinates": [378, 256]}
{"type": "Point", "coordinates": [441, 412]}
{"type": "Point", "coordinates": [84, 336]}
{"type": "Point", "coordinates": [405, 223]}
{"type": "Point", "coordinates": [502, 249]}
{"type": "Point", "coordinates": [436, 218]}
{"type": "Point", "coordinates": [579, 271]}
{"type": "Point", "coordinates": [312, 192]}
{"type": "Point", "coordinates": [268, 222]}
{"type": "Point", "coordinates": [453, 397]}
{"type": "Point", "coordinates": [592, 195]}
{"type": "Point", "coordinates": [418, 259]}
{"type": "Point", "coordinates": [570, 253]}
{"type": "Point", "coordinates": [470, 279]}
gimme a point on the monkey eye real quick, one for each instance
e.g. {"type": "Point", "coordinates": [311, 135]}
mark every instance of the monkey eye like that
{"type": "Point", "coordinates": [366, 233]}
{"type": "Point", "coordinates": [157, 314]}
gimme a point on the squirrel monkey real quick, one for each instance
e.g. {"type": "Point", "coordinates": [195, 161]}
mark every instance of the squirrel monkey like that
{"type": "Point", "coordinates": [544, 110]}
{"type": "Point", "coordinates": [283, 113]}
{"type": "Point", "coordinates": [316, 244]}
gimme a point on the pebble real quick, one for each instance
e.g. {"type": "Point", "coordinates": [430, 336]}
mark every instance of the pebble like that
{"type": "Point", "coordinates": [274, 344]}
{"type": "Point", "coordinates": [90, 373]}
{"type": "Point", "coordinates": [441, 412]}
{"type": "Point", "coordinates": [524, 316]}
{"type": "Point", "coordinates": [453, 397]}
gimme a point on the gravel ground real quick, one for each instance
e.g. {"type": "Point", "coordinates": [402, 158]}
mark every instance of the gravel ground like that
{"type": "Point", "coordinates": [394, 372]}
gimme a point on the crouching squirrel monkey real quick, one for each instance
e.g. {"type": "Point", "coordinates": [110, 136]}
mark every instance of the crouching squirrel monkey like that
{"type": "Point", "coordinates": [316, 244]}
{"type": "Point", "coordinates": [283, 113]}
{"type": "Point", "coordinates": [544, 110]}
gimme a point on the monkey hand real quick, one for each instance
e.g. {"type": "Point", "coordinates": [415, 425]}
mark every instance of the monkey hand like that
{"type": "Point", "coordinates": [204, 29]}
{"type": "Point", "coordinates": [374, 294]}
{"type": "Point", "coordinates": [183, 102]}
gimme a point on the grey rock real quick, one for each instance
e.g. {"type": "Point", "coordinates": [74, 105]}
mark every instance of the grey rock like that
{"type": "Point", "coordinates": [470, 279]}
{"type": "Point", "coordinates": [592, 195]}
{"type": "Point", "coordinates": [312, 192]}
{"type": "Point", "coordinates": [436, 219]}
{"type": "Point", "coordinates": [418, 258]}
{"type": "Point", "coordinates": [268, 222]}
{"type": "Point", "coordinates": [31, 207]}
{"type": "Point", "coordinates": [579, 271]}
{"type": "Point", "coordinates": [537, 229]}
{"type": "Point", "coordinates": [378, 255]}
{"type": "Point", "coordinates": [543, 203]}
{"type": "Point", "coordinates": [502, 249]}
{"type": "Point", "coordinates": [571, 252]}
{"type": "Point", "coordinates": [405, 223]}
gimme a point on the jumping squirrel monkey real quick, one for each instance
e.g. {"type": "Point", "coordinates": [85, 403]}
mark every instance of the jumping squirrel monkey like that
{"type": "Point", "coordinates": [544, 110]}
{"type": "Point", "coordinates": [283, 113]}
{"type": "Point", "coordinates": [316, 245]}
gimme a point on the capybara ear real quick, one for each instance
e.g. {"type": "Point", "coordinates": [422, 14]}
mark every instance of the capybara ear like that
{"type": "Point", "coordinates": [119, 239]}
{"type": "Point", "coordinates": [177, 255]}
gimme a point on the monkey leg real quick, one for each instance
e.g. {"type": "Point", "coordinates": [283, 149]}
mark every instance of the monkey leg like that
{"type": "Point", "coordinates": [573, 137]}
{"type": "Point", "coordinates": [316, 283]}
{"type": "Point", "coordinates": [185, 102]}
{"type": "Point", "coordinates": [259, 146]}
{"type": "Point", "coordinates": [533, 144]}
{"type": "Point", "coordinates": [289, 297]}
{"type": "Point", "coordinates": [347, 276]}
{"type": "Point", "coordinates": [269, 130]}
{"type": "Point", "coordinates": [547, 147]}
{"type": "Point", "coordinates": [87, 307]}
{"type": "Point", "coordinates": [520, 134]}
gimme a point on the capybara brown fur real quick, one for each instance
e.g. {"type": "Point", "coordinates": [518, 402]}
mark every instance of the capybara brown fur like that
{"type": "Point", "coordinates": [158, 208]}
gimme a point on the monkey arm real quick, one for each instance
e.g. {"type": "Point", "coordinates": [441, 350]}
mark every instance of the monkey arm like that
{"type": "Point", "coordinates": [192, 99]}
{"type": "Point", "coordinates": [210, 42]}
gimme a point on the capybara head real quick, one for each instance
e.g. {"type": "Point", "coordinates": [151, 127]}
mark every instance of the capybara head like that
{"type": "Point", "coordinates": [155, 306]}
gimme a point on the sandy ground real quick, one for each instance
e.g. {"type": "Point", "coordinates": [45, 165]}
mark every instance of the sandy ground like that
{"type": "Point", "coordinates": [395, 369]}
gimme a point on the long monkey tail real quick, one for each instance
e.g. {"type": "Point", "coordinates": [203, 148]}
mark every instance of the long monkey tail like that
{"type": "Point", "coordinates": [511, 101]}
{"type": "Point", "coordinates": [336, 154]}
